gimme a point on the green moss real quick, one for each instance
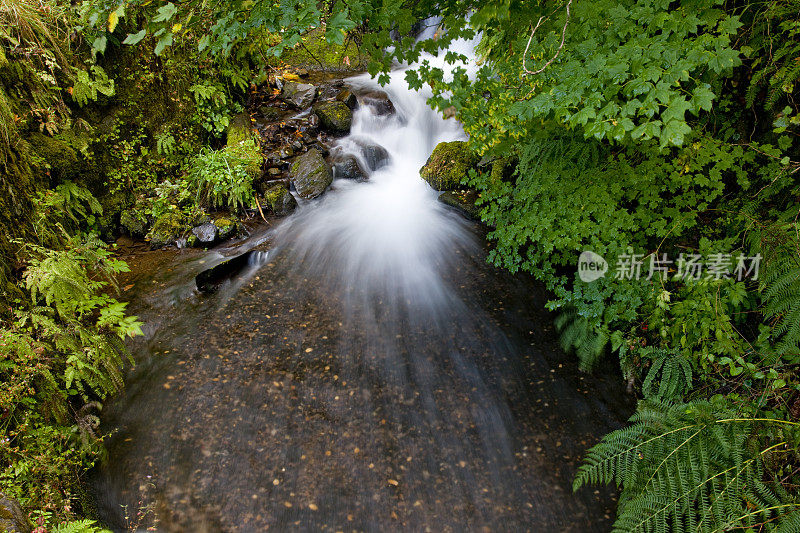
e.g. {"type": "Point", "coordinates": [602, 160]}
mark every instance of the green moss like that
{"type": "Point", "coordinates": [319, 54]}
{"type": "Point", "coordinates": [169, 227]}
{"type": "Point", "coordinates": [334, 116]}
{"type": "Point", "coordinates": [59, 157]}
{"type": "Point", "coordinates": [227, 227]}
{"type": "Point", "coordinates": [239, 129]}
{"type": "Point", "coordinates": [448, 165]}
{"type": "Point", "coordinates": [279, 200]}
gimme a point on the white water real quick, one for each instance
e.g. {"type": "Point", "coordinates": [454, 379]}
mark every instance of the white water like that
{"type": "Point", "coordinates": [389, 236]}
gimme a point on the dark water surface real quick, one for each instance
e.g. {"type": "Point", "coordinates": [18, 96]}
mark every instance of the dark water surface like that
{"type": "Point", "coordinates": [286, 402]}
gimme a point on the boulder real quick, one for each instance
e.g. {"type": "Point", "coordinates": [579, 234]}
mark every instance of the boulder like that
{"type": "Point", "coordinates": [205, 235]}
{"type": "Point", "coordinates": [134, 223]}
{"type": "Point", "coordinates": [226, 227]}
{"type": "Point", "coordinates": [300, 95]}
{"type": "Point", "coordinates": [449, 163]}
{"type": "Point", "coordinates": [239, 129]}
{"type": "Point", "coordinates": [279, 200]}
{"type": "Point", "coordinates": [347, 98]}
{"type": "Point", "coordinates": [334, 116]}
{"type": "Point", "coordinates": [209, 280]}
{"type": "Point", "coordinates": [310, 174]}
{"type": "Point", "coordinates": [167, 229]}
{"type": "Point", "coordinates": [463, 201]}
{"type": "Point", "coordinates": [379, 101]}
{"type": "Point", "coordinates": [12, 519]}
{"type": "Point", "coordinates": [375, 155]}
{"type": "Point", "coordinates": [347, 166]}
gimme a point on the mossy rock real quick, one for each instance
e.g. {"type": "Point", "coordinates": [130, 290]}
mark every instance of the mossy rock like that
{"type": "Point", "coordinates": [448, 165]}
{"type": "Point", "coordinates": [310, 174]}
{"type": "Point", "coordinates": [12, 518]}
{"type": "Point", "coordinates": [133, 223]}
{"type": "Point", "coordinates": [300, 95]}
{"type": "Point", "coordinates": [167, 229]}
{"type": "Point", "coordinates": [59, 156]}
{"type": "Point", "coordinates": [318, 54]}
{"type": "Point", "coordinates": [240, 129]}
{"type": "Point", "coordinates": [334, 116]}
{"type": "Point", "coordinates": [463, 201]}
{"type": "Point", "coordinates": [228, 227]}
{"type": "Point", "coordinates": [279, 200]}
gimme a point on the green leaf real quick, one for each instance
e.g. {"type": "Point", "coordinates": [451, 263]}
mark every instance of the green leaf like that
{"type": "Point", "coordinates": [674, 132]}
{"type": "Point", "coordinates": [165, 12]}
{"type": "Point", "coordinates": [702, 99]}
{"type": "Point", "coordinates": [99, 44]}
{"type": "Point", "coordinates": [135, 38]}
{"type": "Point", "coordinates": [164, 41]}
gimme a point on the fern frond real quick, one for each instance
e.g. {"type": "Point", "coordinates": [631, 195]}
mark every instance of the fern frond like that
{"type": "Point", "coordinates": [690, 466]}
{"type": "Point", "coordinates": [576, 333]}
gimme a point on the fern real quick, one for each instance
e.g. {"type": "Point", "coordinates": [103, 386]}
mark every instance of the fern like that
{"type": "Point", "coordinates": [576, 333]}
{"type": "Point", "coordinates": [89, 84]}
{"type": "Point", "coordinates": [79, 526]}
{"type": "Point", "coordinates": [780, 285]}
{"type": "Point", "coordinates": [669, 376]}
{"type": "Point", "coordinates": [692, 466]}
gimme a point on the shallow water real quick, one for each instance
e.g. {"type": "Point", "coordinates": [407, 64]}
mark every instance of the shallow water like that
{"type": "Point", "coordinates": [373, 373]}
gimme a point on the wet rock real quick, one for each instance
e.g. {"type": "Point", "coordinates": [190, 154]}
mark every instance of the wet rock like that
{"type": "Point", "coordinates": [226, 227]}
{"type": "Point", "coordinates": [300, 95]}
{"type": "Point", "coordinates": [319, 147]}
{"type": "Point", "coordinates": [12, 519]}
{"type": "Point", "coordinates": [239, 129]}
{"type": "Point", "coordinates": [347, 98]}
{"type": "Point", "coordinates": [463, 201]}
{"type": "Point", "coordinates": [379, 101]}
{"type": "Point", "coordinates": [134, 223]}
{"type": "Point", "coordinates": [167, 229]}
{"type": "Point", "coordinates": [279, 200]}
{"type": "Point", "coordinates": [310, 174]}
{"type": "Point", "coordinates": [204, 235]}
{"type": "Point", "coordinates": [276, 157]}
{"type": "Point", "coordinates": [313, 123]}
{"type": "Point", "coordinates": [209, 280]}
{"type": "Point", "coordinates": [270, 113]}
{"type": "Point", "coordinates": [449, 163]}
{"type": "Point", "coordinates": [375, 155]}
{"type": "Point", "coordinates": [334, 116]}
{"type": "Point", "coordinates": [347, 166]}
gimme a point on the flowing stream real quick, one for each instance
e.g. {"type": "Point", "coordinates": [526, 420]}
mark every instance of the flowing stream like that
{"type": "Point", "coordinates": [369, 372]}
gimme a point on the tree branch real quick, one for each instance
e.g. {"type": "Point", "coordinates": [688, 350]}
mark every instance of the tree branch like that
{"type": "Point", "coordinates": [560, 46]}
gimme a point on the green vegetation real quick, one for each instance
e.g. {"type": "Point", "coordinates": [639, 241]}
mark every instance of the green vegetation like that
{"type": "Point", "coordinates": [224, 178]}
